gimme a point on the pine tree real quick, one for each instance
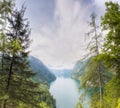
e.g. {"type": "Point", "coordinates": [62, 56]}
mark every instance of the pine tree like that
{"type": "Point", "coordinates": [17, 87]}
{"type": "Point", "coordinates": [93, 74]}
{"type": "Point", "coordinates": [5, 9]}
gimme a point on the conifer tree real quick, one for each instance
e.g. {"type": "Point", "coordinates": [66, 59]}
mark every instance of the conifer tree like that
{"type": "Point", "coordinates": [93, 73]}
{"type": "Point", "coordinates": [5, 9]}
{"type": "Point", "coordinates": [17, 87]}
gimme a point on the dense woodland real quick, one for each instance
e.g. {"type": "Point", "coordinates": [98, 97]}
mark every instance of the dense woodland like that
{"type": "Point", "coordinates": [100, 72]}
{"type": "Point", "coordinates": [17, 88]}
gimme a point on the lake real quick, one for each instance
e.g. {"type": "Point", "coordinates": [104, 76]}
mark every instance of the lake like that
{"type": "Point", "coordinates": [65, 91]}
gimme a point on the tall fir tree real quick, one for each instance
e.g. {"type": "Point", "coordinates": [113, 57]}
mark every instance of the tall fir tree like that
{"type": "Point", "coordinates": [17, 87]}
{"type": "Point", "coordinates": [92, 79]}
{"type": "Point", "coordinates": [5, 9]}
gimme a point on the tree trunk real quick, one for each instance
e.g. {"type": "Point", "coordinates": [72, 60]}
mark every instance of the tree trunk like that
{"type": "Point", "coordinates": [8, 82]}
{"type": "Point", "coordinates": [4, 104]}
{"type": "Point", "coordinates": [100, 85]}
{"type": "Point", "coordinates": [99, 70]}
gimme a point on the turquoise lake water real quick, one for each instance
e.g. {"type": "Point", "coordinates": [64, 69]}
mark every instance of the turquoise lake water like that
{"type": "Point", "coordinates": [66, 93]}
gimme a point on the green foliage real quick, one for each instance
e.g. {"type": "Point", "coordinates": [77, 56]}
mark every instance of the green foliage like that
{"type": "Point", "coordinates": [118, 106]}
{"type": "Point", "coordinates": [95, 103]}
{"type": "Point", "coordinates": [44, 105]}
{"type": "Point", "coordinates": [93, 77]}
{"type": "Point", "coordinates": [91, 84]}
{"type": "Point", "coordinates": [108, 61]}
{"type": "Point", "coordinates": [6, 7]}
{"type": "Point", "coordinates": [111, 52]}
{"type": "Point", "coordinates": [17, 90]}
{"type": "Point", "coordinates": [87, 78]}
{"type": "Point", "coordinates": [45, 100]}
{"type": "Point", "coordinates": [79, 105]}
{"type": "Point", "coordinates": [111, 47]}
{"type": "Point", "coordinates": [112, 93]}
{"type": "Point", "coordinates": [111, 23]}
{"type": "Point", "coordinates": [3, 42]}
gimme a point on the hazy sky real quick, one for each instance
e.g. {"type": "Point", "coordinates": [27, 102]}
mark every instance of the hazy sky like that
{"type": "Point", "coordinates": [59, 27]}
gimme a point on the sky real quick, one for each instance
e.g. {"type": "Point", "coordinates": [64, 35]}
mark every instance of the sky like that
{"type": "Point", "coordinates": [59, 27]}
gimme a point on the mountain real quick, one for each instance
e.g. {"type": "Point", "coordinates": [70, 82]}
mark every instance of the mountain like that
{"type": "Point", "coordinates": [61, 72]}
{"type": "Point", "coordinates": [79, 69]}
{"type": "Point", "coordinates": [43, 74]}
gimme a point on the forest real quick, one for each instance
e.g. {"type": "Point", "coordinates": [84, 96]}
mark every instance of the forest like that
{"type": "Point", "coordinates": [99, 70]}
{"type": "Point", "coordinates": [17, 87]}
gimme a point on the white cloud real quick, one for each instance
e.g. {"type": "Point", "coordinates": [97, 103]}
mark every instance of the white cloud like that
{"type": "Point", "coordinates": [63, 42]}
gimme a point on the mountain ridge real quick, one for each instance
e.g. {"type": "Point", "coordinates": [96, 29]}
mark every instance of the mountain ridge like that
{"type": "Point", "coordinates": [43, 74]}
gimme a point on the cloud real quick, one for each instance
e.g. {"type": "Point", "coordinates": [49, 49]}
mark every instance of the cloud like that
{"type": "Point", "coordinates": [59, 29]}
{"type": "Point", "coordinates": [64, 40]}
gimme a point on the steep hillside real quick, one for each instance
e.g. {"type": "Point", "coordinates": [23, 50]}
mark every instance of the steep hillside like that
{"type": "Point", "coordinates": [79, 69]}
{"type": "Point", "coordinates": [43, 73]}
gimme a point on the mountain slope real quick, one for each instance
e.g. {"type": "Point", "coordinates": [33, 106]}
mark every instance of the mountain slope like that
{"type": "Point", "coordinates": [43, 73]}
{"type": "Point", "coordinates": [79, 69]}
